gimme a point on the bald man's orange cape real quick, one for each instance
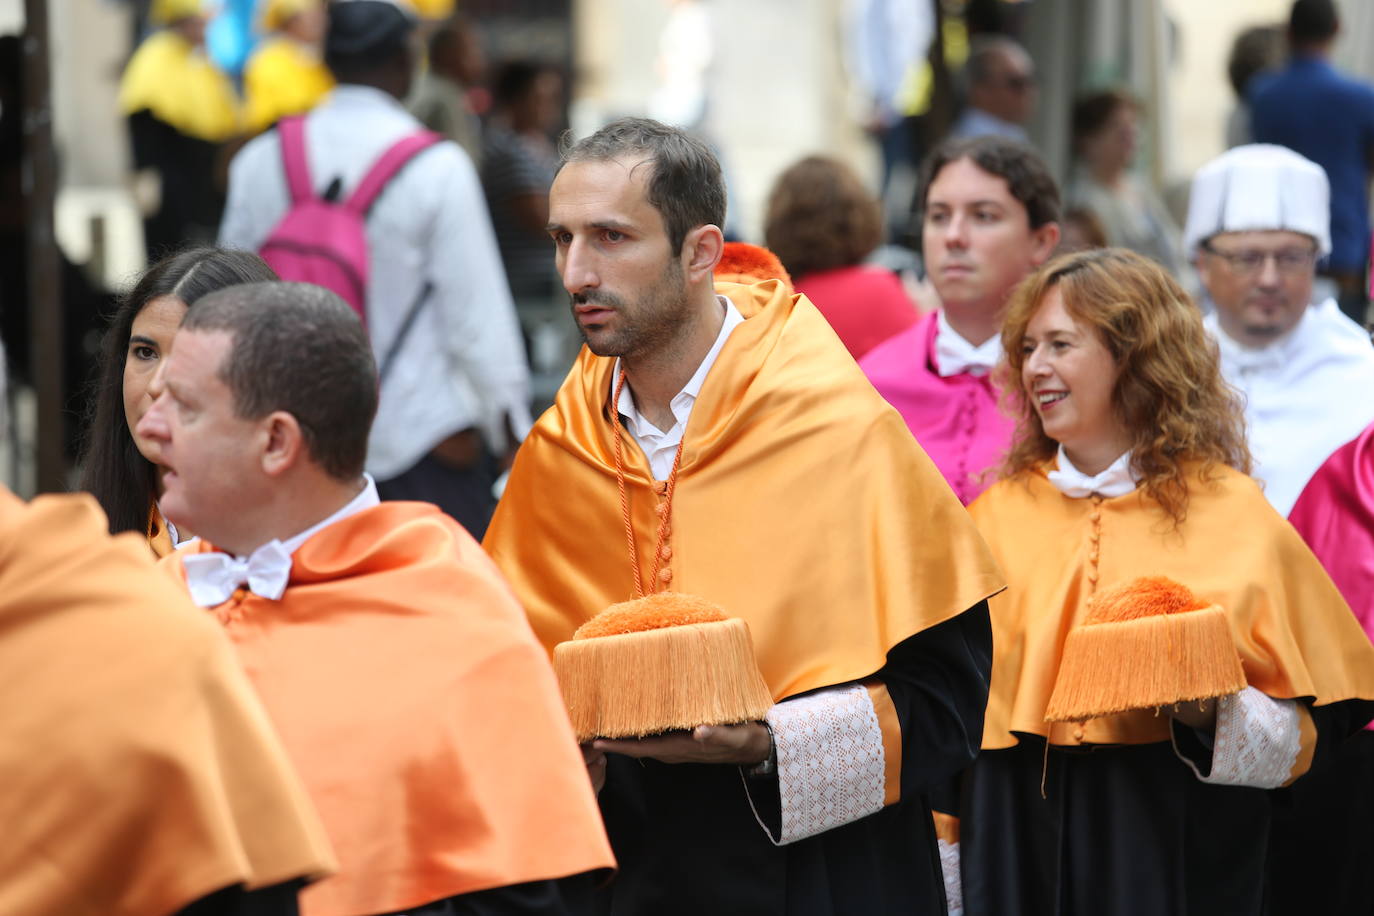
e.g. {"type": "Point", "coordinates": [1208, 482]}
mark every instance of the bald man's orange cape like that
{"type": "Point", "coordinates": [803, 505]}
{"type": "Point", "coordinates": [420, 712]}
{"type": "Point", "coordinates": [140, 772]}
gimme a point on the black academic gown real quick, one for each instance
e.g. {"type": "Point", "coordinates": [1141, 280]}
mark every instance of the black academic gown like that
{"type": "Point", "coordinates": [687, 839]}
{"type": "Point", "coordinates": [1321, 848]}
{"type": "Point", "coordinates": [1123, 830]}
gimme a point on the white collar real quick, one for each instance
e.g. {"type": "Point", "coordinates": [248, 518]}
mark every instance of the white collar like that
{"type": "Point", "coordinates": [366, 499]}
{"type": "Point", "coordinates": [955, 355]}
{"type": "Point", "coordinates": [682, 402]}
{"type": "Point", "coordinates": [1117, 480]}
{"type": "Point", "coordinates": [213, 577]}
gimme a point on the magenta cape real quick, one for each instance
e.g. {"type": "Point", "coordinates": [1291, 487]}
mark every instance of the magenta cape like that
{"type": "Point", "coordinates": [955, 419]}
{"type": "Point", "coordinates": [1335, 516]}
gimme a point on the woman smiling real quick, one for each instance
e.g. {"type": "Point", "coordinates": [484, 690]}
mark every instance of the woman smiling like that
{"type": "Point", "coordinates": [1130, 461]}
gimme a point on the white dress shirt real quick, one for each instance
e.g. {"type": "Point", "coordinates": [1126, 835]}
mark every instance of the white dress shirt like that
{"type": "Point", "coordinates": [463, 362]}
{"type": "Point", "coordinates": [954, 354]}
{"type": "Point", "coordinates": [213, 577]}
{"type": "Point", "coordinates": [660, 446]}
{"type": "Point", "coordinates": [1306, 395]}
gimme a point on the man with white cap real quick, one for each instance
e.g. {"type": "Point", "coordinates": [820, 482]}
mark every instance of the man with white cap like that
{"type": "Point", "coordinates": [1258, 221]}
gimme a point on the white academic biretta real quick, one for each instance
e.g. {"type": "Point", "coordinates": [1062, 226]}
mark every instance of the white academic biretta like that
{"type": "Point", "coordinates": [1259, 186]}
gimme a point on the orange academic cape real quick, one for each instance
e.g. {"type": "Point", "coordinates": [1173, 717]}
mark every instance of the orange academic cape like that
{"type": "Point", "coordinates": [1295, 635]}
{"type": "Point", "coordinates": [421, 713]}
{"type": "Point", "coordinates": [803, 505]}
{"type": "Point", "coordinates": [139, 771]}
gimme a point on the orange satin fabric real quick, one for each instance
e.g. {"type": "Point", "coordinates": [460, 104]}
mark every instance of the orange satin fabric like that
{"type": "Point", "coordinates": [803, 506]}
{"type": "Point", "coordinates": [420, 712]}
{"type": "Point", "coordinates": [140, 772]}
{"type": "Point", "coordinates": [1295, 635]}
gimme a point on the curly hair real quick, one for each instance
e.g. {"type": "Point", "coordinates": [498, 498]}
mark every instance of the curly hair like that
{"type": "Point", "coordinates": [1169, 395]}
{"type": "Point", "coordinates": [820, 217]}
{"type": "Point", "coordinates": [1027, 177]}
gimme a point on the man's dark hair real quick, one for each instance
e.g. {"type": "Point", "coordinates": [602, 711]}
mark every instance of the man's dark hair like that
{"type": "Point", "coordinates": [686, 186]}
{"type": "Point", "coordinates": [515, 79]}
{"type": "Point", "coordinates": [113, 469]}
{"type": "Point", "coordinates": [301, 349]}
{"type": "Point", "coordinates": [1020, 166]}
{"type": "Point", "coordinates": [444, 39]}
{"type": "Point", "coordinates": [1312, 22]}
{"type": "Point", "coordinates": [1255, 50]}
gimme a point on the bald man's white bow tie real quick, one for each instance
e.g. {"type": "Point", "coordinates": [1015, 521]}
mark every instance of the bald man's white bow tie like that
{"type": "Point", "coordinates": [214, 577]}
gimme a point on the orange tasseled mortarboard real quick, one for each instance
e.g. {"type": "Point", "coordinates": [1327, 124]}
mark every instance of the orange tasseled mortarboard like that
{"type": "Point", "coordinates": [741, 262]}
{"type": "Point", "coordinates": [1149, 642]}
{"type": "Point", "coordinates": [659, 663]}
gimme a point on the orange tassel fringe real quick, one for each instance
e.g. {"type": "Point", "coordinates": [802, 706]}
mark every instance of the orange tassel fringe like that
{"type": "Point", "coordinates": [1144, 645]}
{"type": "Point", "coordinates": [676, 675]}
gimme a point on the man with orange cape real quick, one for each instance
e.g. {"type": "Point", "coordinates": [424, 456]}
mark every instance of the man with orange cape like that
{"type": "Point", "coordinates": [728, 447]}
{"type": "Point", "coordinates": [141, 774]}
{"type": "Point", "coordinates": [399, 671]}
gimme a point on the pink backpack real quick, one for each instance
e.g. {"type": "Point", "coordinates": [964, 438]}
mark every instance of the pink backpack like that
{"type": "Point", "coordinates": [320, 240]}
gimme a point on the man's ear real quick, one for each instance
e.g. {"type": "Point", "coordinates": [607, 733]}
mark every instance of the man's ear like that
{"type": "Point", "coordinates": [701, 250]}
{"type": "Point", "coordinates": [1043, 242]}
{"type": "Point", "coordinates": [285, 446]}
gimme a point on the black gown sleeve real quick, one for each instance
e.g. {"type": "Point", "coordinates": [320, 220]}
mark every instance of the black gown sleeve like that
{"type": "Point", "coordinates": [278, 900]}
{"type": "Point", "coordinates": [570, 896]}
{"type": "Point", "coordinates": [938, 681]}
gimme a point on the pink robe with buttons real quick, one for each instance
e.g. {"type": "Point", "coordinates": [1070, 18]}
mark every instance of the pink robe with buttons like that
{"type": "Point", "coordinates": [956, 419]}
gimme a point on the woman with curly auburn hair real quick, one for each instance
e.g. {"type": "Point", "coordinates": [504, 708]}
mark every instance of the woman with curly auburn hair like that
{"type": "Point", "coordinates": [1170, 402]}
{"type": "Point", "coordinates": [1130, 462]}
{"type": "Point", "coordinates": [822, 223]}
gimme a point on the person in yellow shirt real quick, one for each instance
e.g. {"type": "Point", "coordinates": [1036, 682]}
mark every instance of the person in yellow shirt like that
{"type": "Point", "coordinates": [286, 75]}
{"type": "Point", "coordinates": [180, 108]}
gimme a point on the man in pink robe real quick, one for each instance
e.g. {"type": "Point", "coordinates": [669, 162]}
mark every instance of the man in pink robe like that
{"type": "Point", "coordinates": [1328, 824]}
{"type": "Point", "coordinates": [990, 215]}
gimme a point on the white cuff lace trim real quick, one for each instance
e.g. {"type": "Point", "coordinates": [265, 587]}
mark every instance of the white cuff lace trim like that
{"type": "Point", "coordinates": [831, 765]}
{"type": "Point", "coordinates": [954, 886]}
{"type": "Point", "coordinates": [1258, 739]}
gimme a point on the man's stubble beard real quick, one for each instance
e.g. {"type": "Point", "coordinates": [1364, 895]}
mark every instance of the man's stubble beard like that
{"type": "Point", "coordinates": [650, 326]}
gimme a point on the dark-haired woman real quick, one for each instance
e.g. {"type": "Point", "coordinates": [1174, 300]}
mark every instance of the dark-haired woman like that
{"type": "Point", "coordinates": [118, 468]}
{"type": "Point", "coordinates": [1130, 461]}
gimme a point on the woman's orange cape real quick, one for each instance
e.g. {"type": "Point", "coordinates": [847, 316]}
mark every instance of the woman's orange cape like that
{"type": "Point", "coordinates": [803, 505]}
{"type": "Point", "coordinates": [141, 774]}
{"type": "Point", "coordinates": [421, 713]}
{"type": "Point", "coordinates": [1293, 631]}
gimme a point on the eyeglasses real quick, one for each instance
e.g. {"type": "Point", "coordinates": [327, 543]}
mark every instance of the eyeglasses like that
{"type": "Point", "coordinates": [1018, 82]}
{"type": "Point", "coordinates": [1244, 263]}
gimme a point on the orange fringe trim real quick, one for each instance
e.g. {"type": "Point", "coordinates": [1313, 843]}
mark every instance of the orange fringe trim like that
{"type": "Point", "coordinates": [1145, 662]}
{"type": "Point", "coordinates": [677, 677]}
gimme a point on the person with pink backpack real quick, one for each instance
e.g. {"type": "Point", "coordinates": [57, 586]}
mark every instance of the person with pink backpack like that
{"type": "Point", "coordinates": [357, 197]}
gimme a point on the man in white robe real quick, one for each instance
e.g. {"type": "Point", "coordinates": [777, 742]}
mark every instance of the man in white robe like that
{"type": "Point", "coordinates": [1258, 222]}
